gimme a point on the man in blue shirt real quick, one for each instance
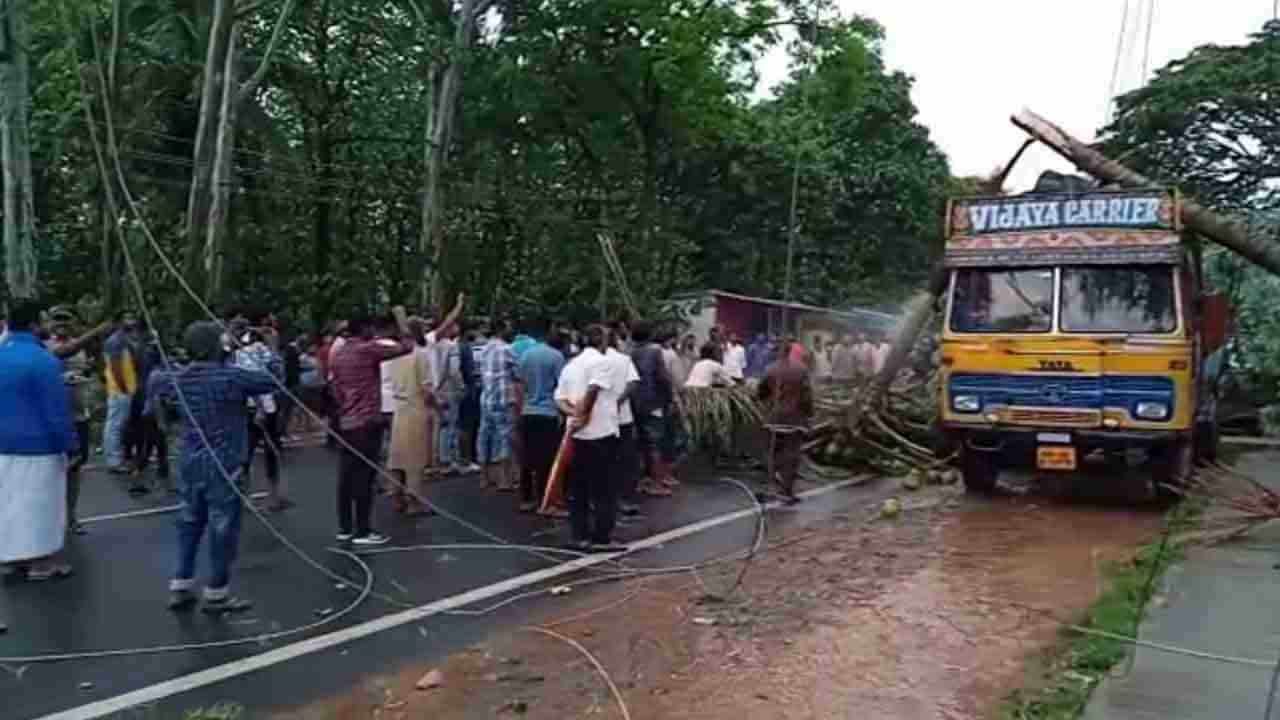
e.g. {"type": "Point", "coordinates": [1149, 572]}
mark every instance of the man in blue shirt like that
{"type": "Point", "coordinates": [537, 372]}
{"type": "Point", "coordinates": [210, 396]}
{"type": "Point", "coordinates": [36, 434]}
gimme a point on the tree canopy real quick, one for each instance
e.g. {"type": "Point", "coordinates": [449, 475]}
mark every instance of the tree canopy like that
{"type": "Point", "coordinates": [637, 119]}
{"type": "Point", "coordinates": [1207, 123]}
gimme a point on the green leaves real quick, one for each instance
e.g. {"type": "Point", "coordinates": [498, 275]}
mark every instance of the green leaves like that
{"type": "Point", "coordinates": [631, 117]}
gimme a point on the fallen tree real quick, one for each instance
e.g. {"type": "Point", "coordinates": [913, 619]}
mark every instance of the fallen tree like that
{"type": "Point", "coordinates": [863, 413]}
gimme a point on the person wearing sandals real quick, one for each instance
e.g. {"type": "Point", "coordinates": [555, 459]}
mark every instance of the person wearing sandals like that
{"type": "Point", "coordinates": [210, 395]}
{"type": "Point", "coordinates": [35, 438]}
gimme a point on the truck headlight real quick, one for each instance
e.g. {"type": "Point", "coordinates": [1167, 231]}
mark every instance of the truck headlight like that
{"type": "Point", "coordinates": [966, 403]}
{"type": "Point", "coordinates": [1152, 411]}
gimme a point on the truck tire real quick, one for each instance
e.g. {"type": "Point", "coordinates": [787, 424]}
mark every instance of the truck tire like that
{"type": "Point", "coordinates": [1206, 442]}
{"type": "Point", "coordinates": [1171, 467]}
{"type": "Point", "coordinates": [979, 471]}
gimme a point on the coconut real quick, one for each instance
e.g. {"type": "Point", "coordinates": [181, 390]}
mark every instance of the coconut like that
{"type": "Point", "coordinates": [891, 508]}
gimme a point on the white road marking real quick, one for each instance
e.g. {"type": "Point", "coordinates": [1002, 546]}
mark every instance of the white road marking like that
{"type": "Point", "coordinates": [217, 674]}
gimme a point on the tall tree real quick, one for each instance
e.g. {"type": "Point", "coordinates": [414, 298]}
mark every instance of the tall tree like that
{"type": "Point", "coordinates": [15, 149]}
{"type": "Point", "coordinates": [222, 97]}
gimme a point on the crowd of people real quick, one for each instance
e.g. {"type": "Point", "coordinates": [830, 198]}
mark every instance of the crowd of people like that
{"type": "Point", "coordinates": [403, 398]}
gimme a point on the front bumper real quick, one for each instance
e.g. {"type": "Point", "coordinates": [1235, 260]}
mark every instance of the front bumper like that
{"type": "Point", "coordinates": [1018, 443]}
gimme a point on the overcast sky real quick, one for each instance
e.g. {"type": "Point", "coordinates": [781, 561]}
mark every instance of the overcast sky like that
{"type": "Point", "coordinates": [976, 63]}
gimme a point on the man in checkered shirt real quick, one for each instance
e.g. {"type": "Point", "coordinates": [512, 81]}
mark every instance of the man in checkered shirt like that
{"type": "Point", "coordinates": [210, 396]}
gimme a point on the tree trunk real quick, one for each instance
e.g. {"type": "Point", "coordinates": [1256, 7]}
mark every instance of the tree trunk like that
{"type": "Point", "coordinates": [426, 246]}
{"type": "Point", "coordinates": [442, 116]}
{"type": "Point", "coordinates": [19, 205]}
{"type": "Point", "coordinates": [221, 179]}
{"type": "Point", "coordinates": [1258, 247]}
{"type": "Point", "coordinates": [918, 312]}
{"type": "Point", "coordinates": [200, 196]}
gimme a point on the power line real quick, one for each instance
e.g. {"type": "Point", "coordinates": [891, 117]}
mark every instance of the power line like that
{"type": "Point", "coordinates": [1115, 67]}
{"type": "Point", "coordinates": [1146, 50]}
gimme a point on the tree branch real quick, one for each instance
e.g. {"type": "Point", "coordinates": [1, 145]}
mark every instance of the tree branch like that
{"type": "Point", "coordinates": [254, 80]}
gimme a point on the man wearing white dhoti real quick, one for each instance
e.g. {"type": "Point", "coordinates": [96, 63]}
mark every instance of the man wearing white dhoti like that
{"type": "Point", "coordinates": [35, 436]}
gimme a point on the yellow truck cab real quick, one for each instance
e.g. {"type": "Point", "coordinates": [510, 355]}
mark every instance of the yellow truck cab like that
{"type": "Point", "coordinates": [1075, 323]}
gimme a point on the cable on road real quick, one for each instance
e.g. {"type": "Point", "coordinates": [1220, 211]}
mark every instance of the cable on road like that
{"type": "Point", "coordinates": [248, 640]}
{"type": "Point", "coordinates": [617, 695]}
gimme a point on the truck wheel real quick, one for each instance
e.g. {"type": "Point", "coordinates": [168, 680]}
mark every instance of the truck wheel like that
{"type": "Point", "coordinates": [1171, 467]}
{"type": "Point", "coordinates": [979, 471]}
{"type": "Point", "coordinates": [1206, 442]}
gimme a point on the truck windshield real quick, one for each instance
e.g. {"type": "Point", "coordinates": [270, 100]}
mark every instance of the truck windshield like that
{"type": "Point", "coordinates": [1138, 299]}
{"type": "Point", "coordinates": [1017, 300]}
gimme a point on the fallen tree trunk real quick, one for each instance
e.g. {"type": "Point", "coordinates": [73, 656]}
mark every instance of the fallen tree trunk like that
{"type": "Point", "coordinates": [919, 309]}
{"type": "Point", "coordinates": [1234, 234]}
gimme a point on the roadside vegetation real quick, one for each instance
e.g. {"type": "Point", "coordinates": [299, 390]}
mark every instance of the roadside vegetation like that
{"type": "Point", "coordinates": [1074, 668]}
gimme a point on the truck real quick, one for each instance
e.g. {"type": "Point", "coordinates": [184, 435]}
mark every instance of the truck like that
{"type": "Point", "coordinates": [1078, 326]}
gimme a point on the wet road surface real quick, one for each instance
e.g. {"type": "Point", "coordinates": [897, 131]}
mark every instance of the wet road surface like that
{"type": "Point", "coordinates": [938, 613]}
{"type": "Point", "coordinates": [116, 598]}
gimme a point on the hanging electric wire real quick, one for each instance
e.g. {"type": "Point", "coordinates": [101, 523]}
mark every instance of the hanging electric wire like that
{"type": "Point", "coordinates": [1146, 45]}
{"type": "Point", "coordinates": [1115, 66]}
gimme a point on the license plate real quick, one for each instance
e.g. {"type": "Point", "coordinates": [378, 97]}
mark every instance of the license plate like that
{"type": "Point", "coordinates": [1061, 438]}
{"type": "Point", "coordinates": [1056, 457]}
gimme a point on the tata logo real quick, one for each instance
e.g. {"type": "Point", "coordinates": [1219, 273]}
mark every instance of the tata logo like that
{"type": "Point", "coordinates": [1057, 366]}
{"type": "Point", "coordinates": [1054, 394]}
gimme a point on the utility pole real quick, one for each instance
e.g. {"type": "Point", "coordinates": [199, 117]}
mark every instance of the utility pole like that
{"type": "Point", "coordinates": [15, 151]}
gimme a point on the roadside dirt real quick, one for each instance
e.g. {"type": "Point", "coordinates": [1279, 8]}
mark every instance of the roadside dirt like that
{"type": "Point", "coordinates": [934, 614]}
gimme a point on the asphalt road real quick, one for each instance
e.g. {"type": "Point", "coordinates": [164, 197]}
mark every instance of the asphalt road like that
{"type": "Point", "coordinates": [116, 598]}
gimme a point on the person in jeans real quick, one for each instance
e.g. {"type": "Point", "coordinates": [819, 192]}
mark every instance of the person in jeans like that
{"type": "Point", "coordinates": [585, 393]}
{"type": "Point", "coordinates": [210, 396]}
{"type": "Point", "coordinates": [498, 401]}
{"type": "Point", "coordinates": [357, 386]}
{"type": "Point", "coordinates": [122, 383]}
{"type": "Point", "coordinates": [538, 372]}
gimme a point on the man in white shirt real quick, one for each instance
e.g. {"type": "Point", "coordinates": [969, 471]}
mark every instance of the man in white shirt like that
{"type": "Point", "coordinates": [624, 377]}
{"type": "Point", "coordinates": [586, 395]}
{"type": "Point", "coordinates": [735, 359]}
{"type": "Point", "coordinates": [707, 372]}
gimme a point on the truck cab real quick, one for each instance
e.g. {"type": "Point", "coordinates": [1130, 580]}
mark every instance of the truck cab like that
{"type": "Point", "coordinates": [1075, 323]}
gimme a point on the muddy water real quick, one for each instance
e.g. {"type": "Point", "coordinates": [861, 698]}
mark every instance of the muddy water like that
{"type": "Point", "coordinates": [1004, 569]}
{"type": "Point", "coordinates": [951, 632]}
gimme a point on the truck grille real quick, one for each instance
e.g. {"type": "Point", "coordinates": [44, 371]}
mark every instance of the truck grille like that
{"type": "Point", "coordinates": [1074, 400]}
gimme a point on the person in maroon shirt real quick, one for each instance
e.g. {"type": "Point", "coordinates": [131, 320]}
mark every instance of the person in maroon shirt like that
{"type": "Point", "coordinates": [788, 400]}
{"type": "Point", "coordinates": [357, 388]}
